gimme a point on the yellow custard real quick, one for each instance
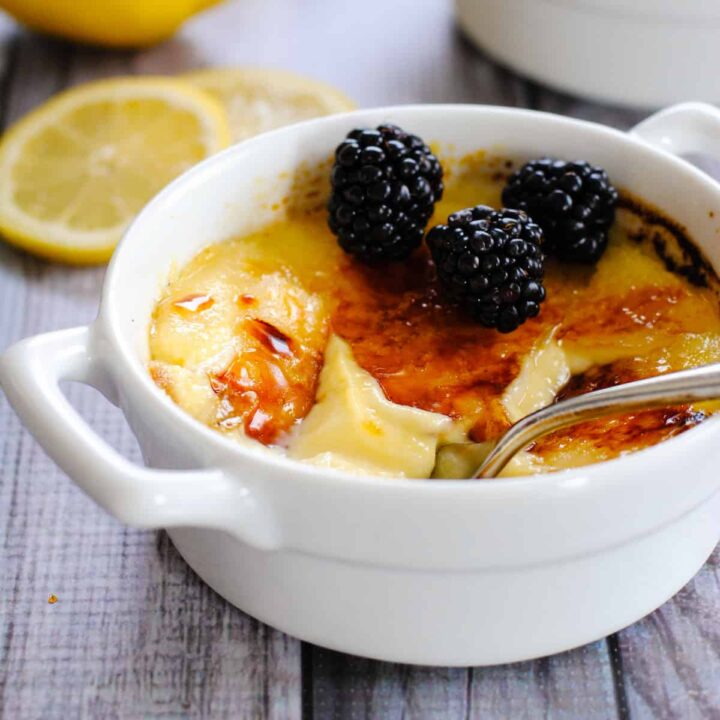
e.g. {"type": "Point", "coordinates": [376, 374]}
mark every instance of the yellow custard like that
{"type": "Point", "coordinates": [239, 337]}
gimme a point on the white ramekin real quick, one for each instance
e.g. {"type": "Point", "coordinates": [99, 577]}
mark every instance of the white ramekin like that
{"type": "Point", "coordinates": [452, 572]}
{"type": "Point", "coordinates": [634, 52]}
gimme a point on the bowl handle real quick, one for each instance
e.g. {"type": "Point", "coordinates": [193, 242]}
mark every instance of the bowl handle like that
{"type": "Point", "coordinates": [30, 373]}
{"type": "Point", "coordinates": [691, 127]}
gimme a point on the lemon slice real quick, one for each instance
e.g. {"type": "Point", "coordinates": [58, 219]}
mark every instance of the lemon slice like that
{"type": "Point", "coordinates": [258, 99]}
{"type": "Point", "coordinates": [75, 171]}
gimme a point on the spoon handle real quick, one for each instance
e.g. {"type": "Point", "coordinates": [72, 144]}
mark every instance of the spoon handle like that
{"type": "Point", "coordinates": [702, 383]}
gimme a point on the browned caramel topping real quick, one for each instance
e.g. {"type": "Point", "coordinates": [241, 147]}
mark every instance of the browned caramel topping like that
{"type": "Point", "coordinates": [427, 354]}
{"type": "Point", "coordinates": [269, 385]}
{"type": "Point", "coordinates": [598, 378]}
{"type": "Point", "coordinates": [273, 339]}
{"type": "Point", "coordinates": [644, 307]}
{"type": "Point", "coordinates": [246, 300]}
{"type": "Point", "coordinates": [623, 433]}
{"type": "Point", "coordinates": [424, 352]}
{"type": "Point", "coordinates": [194, 303]}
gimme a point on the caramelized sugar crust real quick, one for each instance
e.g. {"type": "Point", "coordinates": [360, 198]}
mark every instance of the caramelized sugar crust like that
{"type": "Point", "coordinates": [424, 352]}
{"type": "Point", "coordinates": [624, 433]}
{"type": "Point", "coordinates": [269, 385]}
{"type": "Point", "coordinates": [427, 354]}
{"type": "Point", "coordinates": [626, 319]}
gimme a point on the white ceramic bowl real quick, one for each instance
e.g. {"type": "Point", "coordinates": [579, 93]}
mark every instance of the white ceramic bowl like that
{"type": "Point", "coordinates": [452, 572]}
{"type": "Point", "coordinates": [633, 52]}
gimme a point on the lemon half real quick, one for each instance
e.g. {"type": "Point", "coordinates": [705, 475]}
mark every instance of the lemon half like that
{"type": "Point", "coordinates": [112, 23]}
{"type": "Point", "coordinates": [75, 171]}
{"type": "Point", "coordinates": [257, 99]}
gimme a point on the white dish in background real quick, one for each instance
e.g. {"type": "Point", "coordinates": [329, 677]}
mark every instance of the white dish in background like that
{"type": "Point", "coordinates": [641, 53]}
{"type": "Point", "coordinates": [420, 571]}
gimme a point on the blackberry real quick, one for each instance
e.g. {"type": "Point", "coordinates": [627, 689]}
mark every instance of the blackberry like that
{"type": "Point", "coordinates": [490, 262]}
{"type": "Point", "coordinates": [573, 202]}
{"type": "Point", "coordinates": [385, 183]}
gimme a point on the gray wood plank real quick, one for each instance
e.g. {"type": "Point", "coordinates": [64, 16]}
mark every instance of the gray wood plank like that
{"type": "Point", "coordinates": [344, 686]}
{"type": "Point", "coordinates": [7, 48]}
{"type": "Point", "coordinates": [134, 632]}
{"type": "Point", "coordinates": [543, 98]}
{"type": "Point", "coordinates": [40, 68]}
{"type": "Point", "coordinates": [575, 684]}
{"type": "Point", "coordinates": [671, 659]}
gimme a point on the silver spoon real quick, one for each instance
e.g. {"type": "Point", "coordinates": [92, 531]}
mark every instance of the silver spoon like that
{"type": "Point", "coordinates": [487, 461]}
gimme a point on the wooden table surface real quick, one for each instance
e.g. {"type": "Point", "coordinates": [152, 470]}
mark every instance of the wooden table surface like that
{"type": "Point", "coordinates": [134, 633]}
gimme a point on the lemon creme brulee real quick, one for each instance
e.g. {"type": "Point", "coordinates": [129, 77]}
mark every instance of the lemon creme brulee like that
{"type": "Point", "coordinates": [281, 337]}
